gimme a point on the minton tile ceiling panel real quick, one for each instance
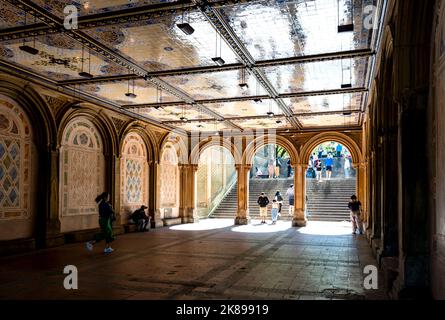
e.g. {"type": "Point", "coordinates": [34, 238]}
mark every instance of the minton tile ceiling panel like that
{"type": "Point", "coordinates": [11, 16]}
{"type": "Point", "coordinates": [330, 120]}
{"type": "Point", "coordinates": [213, 85]}
{"type": "Point", "coordinates": [159, 44]}
{"type": "Point", "coordinates": [115, 92]}
{"type": "Point", "coordinates": [279, 29]}
{"type": "Point", "coordinates": [203, 126]}
{"type": "Point", "coordinates": [173, 113]}
{"type": "Point", "coordinates": [59, 58]}
{"type": "Point", "coordinates": [326, 103]}
{"type": "Point", "coordinates": [88, 7]}
{"type": "Point", "coordinates": [245, 108]}
{"type": "Point", "coordinates": [263, 123]}
{"type": "Point", "coordinates": [315, 76]}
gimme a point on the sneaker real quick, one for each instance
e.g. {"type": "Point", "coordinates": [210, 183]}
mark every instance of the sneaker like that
{"type": "Point", "coordinates": [89, 246]}
{"type": "Point", "coordinates": [108, 250]}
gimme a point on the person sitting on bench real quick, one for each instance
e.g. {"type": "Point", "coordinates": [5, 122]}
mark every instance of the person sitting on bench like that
{"type": "Point", "coordinates": [141, 219]}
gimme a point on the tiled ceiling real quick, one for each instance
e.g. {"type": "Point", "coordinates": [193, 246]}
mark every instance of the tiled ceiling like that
{"type": "Point", "coordinates": [296, 69]}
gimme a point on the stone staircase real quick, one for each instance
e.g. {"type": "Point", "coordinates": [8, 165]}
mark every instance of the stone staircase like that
{"type": "Point", "coordinates": [228, 207]}
{"type": "Point", "coordinates": [328, 200]}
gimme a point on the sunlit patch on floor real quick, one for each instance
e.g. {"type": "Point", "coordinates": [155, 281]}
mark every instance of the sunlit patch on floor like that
{"type": "Point", "coordinates": [327, 228]}
{"type": "Point", "coordinates": [205, 224]}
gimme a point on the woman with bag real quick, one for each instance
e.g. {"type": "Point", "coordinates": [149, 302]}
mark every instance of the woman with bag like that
{"type": "Point", "coordinates": [106, 218]}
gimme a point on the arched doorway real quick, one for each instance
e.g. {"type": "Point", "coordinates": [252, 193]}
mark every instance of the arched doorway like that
{"type": "Point", "coordinates": [216, 184]}
{"type": "Point", "coordinates": [330, 182]}
{"type": "Point", "coordinates": [271, 173]}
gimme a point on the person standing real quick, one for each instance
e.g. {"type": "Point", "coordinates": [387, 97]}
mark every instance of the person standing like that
{"type": "Point", "coordinates": [289, 169]}
{"type": "Point", "coordinates": [275, 208]}
{"type": "Point", "coordinates": [279, 199]}
{"type": "Point", "coordinates": [106, 217]}
{"type": "Point", "coordinates": [355, 207]}
{"type": "Point", "coordinates": [271, 169]}
{"type": "Point", "coordinates": [339, 149]}
{"type": "Point", "coordinates": [329, 166]}
{"type": "Point", "coordinates": [277, 168]}
{"type": "Point", "coordinates": [263, 201]}
{"type": "Point", "coordinates": [318, 168]}
{"type": "Point", "coordinates": [290, 193]}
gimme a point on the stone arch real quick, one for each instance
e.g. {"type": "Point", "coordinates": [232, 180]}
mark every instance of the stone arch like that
{"type": "Point", "coordinates": [134, 174]}
{"type": "Point", "coordinates": [212, 142]}
{"type": "Point", "coordinates": [44, 140]}
{"type": "Point", "coordinates": [179, 142]}
{"type": "Point", "coordinates": [260, 142]}
{"type": "Point", "coordinates": [100, 121]}
{"type": "Point", "coordinates": [146, 135]}
{"type": "Point", "coordinates": [82, 174]}
{"type": "Point", "coordinates": [327, 137]}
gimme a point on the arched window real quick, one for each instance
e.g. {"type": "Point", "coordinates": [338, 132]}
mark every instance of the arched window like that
{"type": "Point", "coordinates": [134, 171]}
{"type": "Point", "coordinates": [169, 177]}
{"type": "Point", "coordinates": [15, 162]}
{"type": "Point", "coordinates": [82, 166]}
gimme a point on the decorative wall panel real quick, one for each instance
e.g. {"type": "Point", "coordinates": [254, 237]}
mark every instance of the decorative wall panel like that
{"type": "Point", "coordinates": [15, 162]}
{"type": "Point", "coordinates": [134, 171]}
{"type": "Point", "coordinates": [82, 168]}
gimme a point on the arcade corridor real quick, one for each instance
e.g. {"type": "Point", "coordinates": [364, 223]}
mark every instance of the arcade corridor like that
{"type": "Point", "coordinates": [171, 113]}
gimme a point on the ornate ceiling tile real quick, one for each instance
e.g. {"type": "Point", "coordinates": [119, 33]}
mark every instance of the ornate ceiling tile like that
{"type": "Point", "coordinates": [337, 120]}
{"type": "Point", "coordinates": [263, 123]}
{"type": "Point", "coordinates": [327, 103]}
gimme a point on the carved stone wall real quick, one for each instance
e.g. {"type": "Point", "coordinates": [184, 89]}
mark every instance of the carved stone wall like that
{"type": "Point", "coordinates": [82, 175]}
{"type": "Point", "coordinates": [17, 163]}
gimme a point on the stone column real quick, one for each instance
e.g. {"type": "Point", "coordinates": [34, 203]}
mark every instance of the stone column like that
{"type": "Point", "coordinates": [53, 236]}
{"type": "Point", "coordinates": [154, 199]}
{"type": "Point", "coordinates": [299, 219]}
{"type": "Point", "coordinates": [117, 191]}
{"type": "Point", "coordinates": [189, 193]}
{"type": "Point", "coordinates": [242, 214]}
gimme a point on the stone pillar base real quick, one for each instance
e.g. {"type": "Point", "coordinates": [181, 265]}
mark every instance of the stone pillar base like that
{"type": "Point", "coordinates": [242, 221]}
{"type": "Point", "coordinates": [299, 223]}
{"type": "Point", "coordinates": [190, 219]}
{"type": "Point", "coordinates": [54, 240]}
{"type": "Point", "coordinates": [157, 224]}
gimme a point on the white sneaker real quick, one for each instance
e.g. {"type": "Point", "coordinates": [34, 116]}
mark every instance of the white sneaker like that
{"type": "Point", "coordinates": [89, 246]}
{"type": "Point", "coordinates": [108, 250]}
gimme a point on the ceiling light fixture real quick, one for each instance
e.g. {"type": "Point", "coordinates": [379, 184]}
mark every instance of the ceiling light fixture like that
{"type": "Point", "coordinates": [84, 73]}
{"type": "Point", "coordinates": [345, 16]}
{"type": "Point", "coordinates": [129, 94]}
{"type": "Point", "coordinates": [271, 114]}
{"type": "Point", "coordinates": [243, 84]}
{"type": "Point", "coordinates": [183, 119]}
{"type": "Point", "coordinates": [25, 47]}
{"type": "Point", "coordinates": [346, 72]}
{"type": "Point", "coordinates": [217, 59]}
{"type": "Point", "coordinates": [185, 26]}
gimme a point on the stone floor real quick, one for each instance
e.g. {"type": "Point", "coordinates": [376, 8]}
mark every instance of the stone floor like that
{"type": "Point", "coordinates": [209, 260]}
